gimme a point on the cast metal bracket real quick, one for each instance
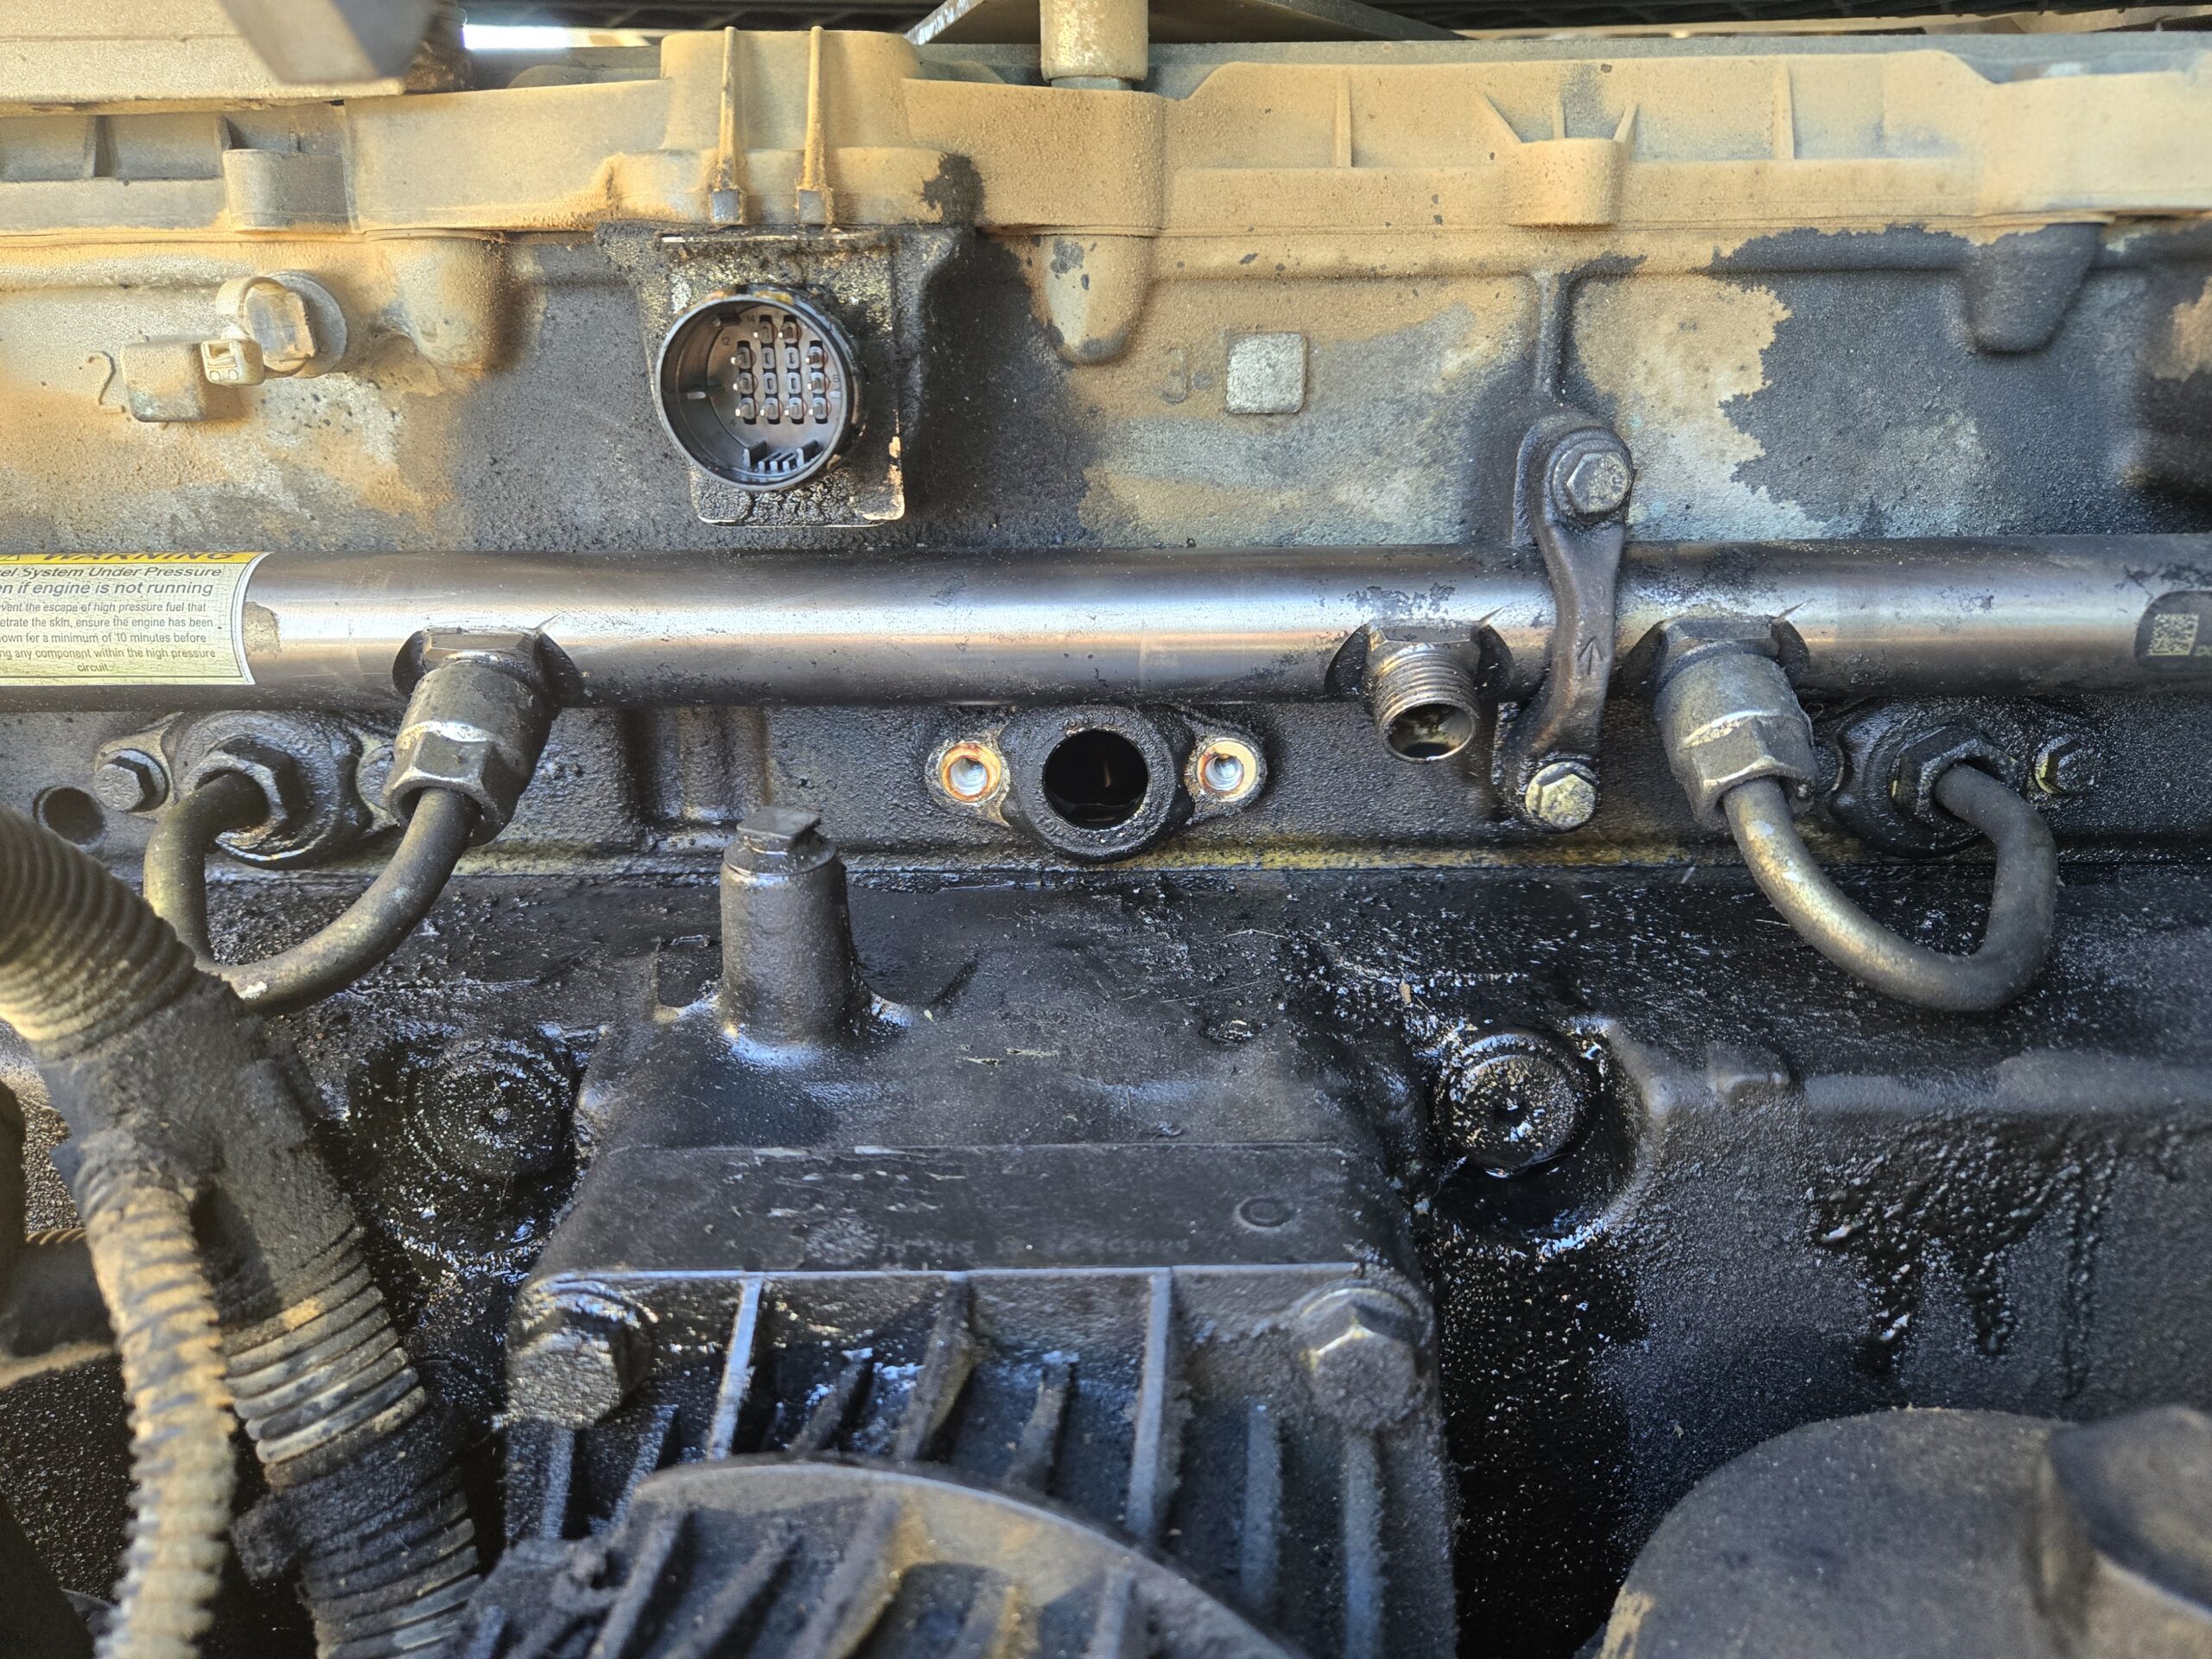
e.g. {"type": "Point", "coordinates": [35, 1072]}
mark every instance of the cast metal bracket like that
{"type": "Point", "coordinates": [1572, 495]}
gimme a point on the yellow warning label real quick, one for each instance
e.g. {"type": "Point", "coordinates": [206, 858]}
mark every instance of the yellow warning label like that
{"type": "Point", "coordinates": [158, 619]}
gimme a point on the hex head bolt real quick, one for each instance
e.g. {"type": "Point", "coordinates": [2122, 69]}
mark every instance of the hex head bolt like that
{"type": "Point", "coordinates": [1594, 481]}
{"type": "Point", "coordinates": [1362, 1354]}
{"type": "Point", "coordinates": [1561, 795]}
{"type": "Point", "coordinates": [2065, 766]}
{"type": "Point", "coordinates": [577, 1360]}
{"type": "Point", "coordinates": [131, 780]}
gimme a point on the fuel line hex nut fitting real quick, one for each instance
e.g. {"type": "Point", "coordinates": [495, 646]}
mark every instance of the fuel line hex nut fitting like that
{"type": "Point", "coordinates": [303, 764]}
{"type": "Point", "coordinates": [1729, 715]}
{"type": "Point", "coordinates": [475, 724]}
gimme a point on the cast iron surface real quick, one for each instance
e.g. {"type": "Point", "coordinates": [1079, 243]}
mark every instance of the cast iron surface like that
{"type": "Point", "coordinates": [1799, 1200]}
{"type": "Point", "coordinates": [1885, 407]}
{"type": "Point", "coordinates": [1952, 1533]}
{"type": "Point", "coordinates": [773, 1557]}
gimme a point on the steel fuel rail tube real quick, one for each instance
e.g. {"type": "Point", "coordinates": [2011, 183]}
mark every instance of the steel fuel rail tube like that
{"type": "Point", "coordinates": [2064, 613]}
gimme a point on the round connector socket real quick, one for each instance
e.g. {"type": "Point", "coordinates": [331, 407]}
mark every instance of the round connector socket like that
{"type": "Point", "coordinates": [759, 388]}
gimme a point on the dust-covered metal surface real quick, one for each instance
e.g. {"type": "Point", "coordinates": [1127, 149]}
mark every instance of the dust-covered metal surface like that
{"type": "Point", "coordinates": [1311, 1129]}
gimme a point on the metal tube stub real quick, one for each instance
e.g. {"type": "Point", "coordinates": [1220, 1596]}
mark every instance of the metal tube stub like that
{"type": "Point", "coordinates": [1094, 44]}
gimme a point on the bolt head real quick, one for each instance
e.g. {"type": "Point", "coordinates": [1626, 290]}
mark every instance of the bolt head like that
{"type": "Point", "coordinates": [580, 1353]}
{"type": "Point", "coordinates": [2067, 765]}
{"type": "Point", "coordinates": [1507, 1100]}
{"type": "Point", "coordinates": [1361, 1357]}
{"type": "Point", "coordinates": [1561, 795]}
{"type": "Point", "coordinates": [1596, 483]}
{"type": "Point", "coordinates": [573, 1376]}
{"type": "Point", "coordinates": [131, 780]}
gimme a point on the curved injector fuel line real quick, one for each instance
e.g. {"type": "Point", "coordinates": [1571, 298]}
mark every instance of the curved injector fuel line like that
{"type": "Point", "coordinates": [1741, 747]}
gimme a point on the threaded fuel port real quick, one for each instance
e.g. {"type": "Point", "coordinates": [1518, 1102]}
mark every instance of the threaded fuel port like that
{"type": "Point", "coordinates": [1423, 698]}
{"type": "Point", "coordinates": [759, 388]}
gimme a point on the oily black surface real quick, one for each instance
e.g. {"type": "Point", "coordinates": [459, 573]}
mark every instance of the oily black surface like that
{"type": "Point", "coordinates": [1797, 1200]}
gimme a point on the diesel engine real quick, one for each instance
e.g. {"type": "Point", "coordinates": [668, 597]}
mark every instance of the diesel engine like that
{"type": "Point", "coordinates": [1210, 829]}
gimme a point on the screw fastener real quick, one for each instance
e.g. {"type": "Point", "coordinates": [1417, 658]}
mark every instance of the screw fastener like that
{"type": "Point", "coordinates": [1561, 795]}
{"type": "Point", "coordinates": [579, 1358]}
{"type": "Point", "coordinates": [1596, 483]}
{"type": "Point", "coordinates": [1360, 1354]}
{"type": "Point", "coordinates": [2067, 765]}
{"type": "Point", "coordinates": [131, 780]}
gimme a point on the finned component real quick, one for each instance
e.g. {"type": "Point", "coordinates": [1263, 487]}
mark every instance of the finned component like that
{"type": "Point", "coordinates": [770, 1548]}
{"type": "Point", "coordinates": [759, 388]}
